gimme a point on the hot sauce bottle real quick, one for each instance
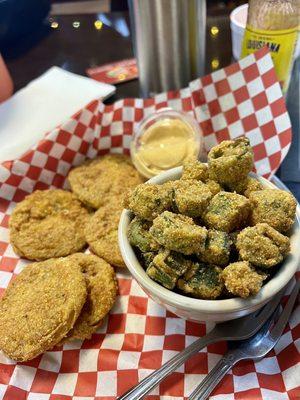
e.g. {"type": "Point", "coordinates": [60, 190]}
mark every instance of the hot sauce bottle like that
{"type": "Point", "coordinates": [274, 23]}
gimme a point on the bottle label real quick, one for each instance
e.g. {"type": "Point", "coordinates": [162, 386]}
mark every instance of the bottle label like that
{"type": "Point", "coordinates": [281, 44]}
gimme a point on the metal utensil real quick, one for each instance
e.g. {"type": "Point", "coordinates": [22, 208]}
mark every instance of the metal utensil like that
{"type": "Point", "coordinates": [254, 348]}
{"type": "Point", "coordinates": [239, 329]}
{"type": "Point", "coordinates": [169, 42]}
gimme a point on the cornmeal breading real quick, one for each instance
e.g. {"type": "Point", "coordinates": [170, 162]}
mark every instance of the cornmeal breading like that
{"type": "Point", "coordinates": [102, 233]}
{"type": "Point", "coordinates": [242, 280]}
{"type": "Point", "coordinates": [97, 181]}
{"type": "Point", "coordinates": [48, 223]}
{"type": "Point", "coordinates": [40, 307]}
{"type": "Point", "coordinates": [102, 291]}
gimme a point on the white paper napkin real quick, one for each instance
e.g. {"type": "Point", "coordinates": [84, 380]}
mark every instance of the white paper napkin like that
{"type": "Point", "coordinates": [43, 104]}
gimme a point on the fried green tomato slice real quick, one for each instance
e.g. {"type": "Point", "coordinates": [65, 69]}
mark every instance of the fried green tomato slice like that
{"type": "Point", "coordinates": [194, 169]}
{"type": "Point", "coordinates": [179, 233]}
{"type": "Point", "coordinates": [96, 181]}
{"type": "Point", "coordinates": [147, 201]}
{"type": "Point", "coordinates": [275, 207]}
{"type": "Point", "coordinates": [202, 281]}
{"type": "Point", "coordinates": [227, 212]}
{"type": "Point", "coordinates": [48, 223]}
{"type": "Point", "coordinates": [166, 267]}
{"type": "Point", "coordinates": [262, 245]}
{"type": "Point", "coordinates": [230, 161]}
{"type": "Point", "coordinates": [140, 237]}
{"type": "Point", "coordinates": [242, 280]}
{"type": "Point", "coordinates": [217, 248]}
{"type": "Point", "coordinates": [40, 307]}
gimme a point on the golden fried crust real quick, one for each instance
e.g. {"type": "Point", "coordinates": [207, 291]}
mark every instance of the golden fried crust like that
{"type": "Point", "coordinates": [246, 186]}
{"type": "Point", "coordinates": [230, 161]}
{"type": "Point", "coordinates": [102, 291]}
{"type": "Point", "coordinates": [96, 181]}
{"type": "Point", "coordinates": [194, 169]}
{"type": "Point", "coordinates": [40, 307]}
{"type": "Point", "coordinates": [262, 245]}
{"type": "Point", "coordinates": [275, 207]}
{"type": "Point", "coordinates": [102, 233]}
{"type": "Point", "coordinates": [242, 280]}
{"type": "Point", "coordinates": [48, 223]}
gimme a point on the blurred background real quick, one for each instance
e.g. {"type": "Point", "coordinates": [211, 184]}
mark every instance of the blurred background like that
{"type": "Point", "coordinates": [35, 34]}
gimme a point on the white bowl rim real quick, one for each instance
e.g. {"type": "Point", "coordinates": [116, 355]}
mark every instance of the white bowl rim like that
{"type": "Point", "coordinates": [281, 278]}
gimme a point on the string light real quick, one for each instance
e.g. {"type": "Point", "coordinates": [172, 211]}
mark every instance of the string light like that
{"type": "Point", "coordinates": [76, 24]}
{"type": "Point", "coordinates": [54, 24]}
{"type": "Point", "coordinates": [98, 24]}
{"type": "Point", "coordinates": [215, 63]}
{"type": "Point", "coordinates": [214, 30]}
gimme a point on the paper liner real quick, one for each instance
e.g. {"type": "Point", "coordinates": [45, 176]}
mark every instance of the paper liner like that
{"type": "Point", "coordinates": [139, 335]}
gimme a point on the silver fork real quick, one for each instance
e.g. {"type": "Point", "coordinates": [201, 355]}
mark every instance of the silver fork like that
{"type": "Point", "coordinates": [254, 348]}
{"type": "Point", "coordinates": [239, 329]}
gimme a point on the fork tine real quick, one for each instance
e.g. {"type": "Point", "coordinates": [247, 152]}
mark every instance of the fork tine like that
{"type": "Point", "coordinates": [279, 326]}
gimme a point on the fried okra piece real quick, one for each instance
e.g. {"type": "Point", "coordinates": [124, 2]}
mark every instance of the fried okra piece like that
{"type": "Point", "coordinates": [192, 198]}
{"type": "Point", "coordinates": [241, 279]}
{"type": "Point", "coordinates": [246, 186]}
{"type": "Point", "coordinates": [146, 258]}
{"type": "Point", "coordinates": [194, 169]}
{"type": "Point", "coordinates": [275, 207]}
{"type": "Point", "coordinates": [227, 212]}
{"type": "Point", "coordinates": [213, 186]}
{"type": "Point", "coordinates": [202, 281]}
{"type": "Point", "coordinates": [179, 233]}
{"type": "Point", "coordinates": [262, 245]}
{"type": "Point", "coordinates": [230, 161]}
{"type": "Point", "coordinates": [217, 248]}
{"type": "Point", "coordinates": [166, 267]}
{"type": "Point", "coordinates": [140, 237]}
{"type": "Point", "coordinates": [148, 201]}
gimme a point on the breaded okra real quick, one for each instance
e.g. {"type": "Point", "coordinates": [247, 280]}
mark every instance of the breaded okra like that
{"type": "Point", "coordinates": [140, 237]}
{"type": "Point", "coordinates": [262, 245]}
{"type": "Point", "coordinates": [275, 207]}
{"type": "Point", "coordinates": [179, 233]}
{"type": "Point", "coordinates": [202, 281]}
{"type": "Point", "coordinates": [217, 248]}
{"type": "Point", "coordinates": [227, 212]}
{"type": "Point", "coordinates": [246, 186]}
{"type": "Point", "coordinates": [194, 169]}
{"type": "Point", "coordinates": [192, 198]}
{"type": "Point", "coordinates": [146, 258]}
{"type": "Point", "coordinates": [147, 201]}
{"type": "Point", "coordinates": [241, 279]}
{"type": "Point", "coordinates": [213, 186]}
{"type": "Point", "coordinates": [167, 266]}
{"type": "Point", "coordinates": [230, 161]}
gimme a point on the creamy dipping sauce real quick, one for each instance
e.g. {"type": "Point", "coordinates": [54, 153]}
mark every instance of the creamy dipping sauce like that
{"type": "Point", "coordinates": [165, 144]}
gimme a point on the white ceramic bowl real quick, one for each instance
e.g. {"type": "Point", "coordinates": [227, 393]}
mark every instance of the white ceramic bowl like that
{"type": "Point", "coordinates": [207, 310]}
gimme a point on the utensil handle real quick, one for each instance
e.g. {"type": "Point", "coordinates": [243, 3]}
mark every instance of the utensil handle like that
{"type": "Point", "coordinates": [215, 376]}
{"type": "Point", "coordinates": [152, 380]}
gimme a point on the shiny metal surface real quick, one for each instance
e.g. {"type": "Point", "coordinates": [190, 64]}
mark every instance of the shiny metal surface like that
{"type": "Point", "coordinates": [169, 42]}
{"type": "Point", "coordinates": [254, 348]}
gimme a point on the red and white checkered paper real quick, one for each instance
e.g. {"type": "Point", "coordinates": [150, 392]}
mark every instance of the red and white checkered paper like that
{"type": "Point", "coordinates": [140, 335]}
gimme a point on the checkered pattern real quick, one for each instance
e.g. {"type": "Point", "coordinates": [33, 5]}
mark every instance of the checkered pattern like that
{"type": "Point", "coordinates": [139, 335]}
